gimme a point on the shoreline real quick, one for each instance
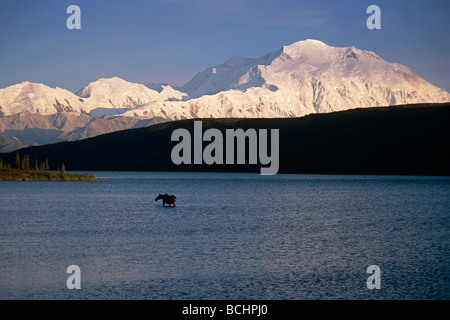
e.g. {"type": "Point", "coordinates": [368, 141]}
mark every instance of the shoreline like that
{"type": "Point", "coordinates": [33, 175]}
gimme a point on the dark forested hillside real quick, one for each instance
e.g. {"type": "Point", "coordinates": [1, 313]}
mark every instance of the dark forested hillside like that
{"type": "Point", "coordinates": [411, 139]}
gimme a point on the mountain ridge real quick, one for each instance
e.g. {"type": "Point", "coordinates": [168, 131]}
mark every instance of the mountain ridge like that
{"type": "Point", "coordinates": [400, 140]}
{"type": "Point", "coordinates": [298, 79]}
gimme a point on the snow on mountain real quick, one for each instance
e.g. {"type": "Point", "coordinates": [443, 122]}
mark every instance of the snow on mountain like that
{"type": "Point", "coordinates": [115, 95]}
{"type": "Point", "coordinates": [35, 114]}
{"type": "Point", "coordinates": [305, 77]}
{"type": "Point", "coordinates": [237, 73]}
{"type": "Point", "coordinates": [101, 97]}
{"type": "Point", "coordinates": [298, 79]}
{"type": "Point", "coordinates": [308, 76]}
{"type": "Point", "coordinates": [37, 98]}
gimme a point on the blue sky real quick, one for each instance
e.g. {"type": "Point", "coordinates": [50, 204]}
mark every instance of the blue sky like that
{"type": "Point", "coordinates": [171, 40]}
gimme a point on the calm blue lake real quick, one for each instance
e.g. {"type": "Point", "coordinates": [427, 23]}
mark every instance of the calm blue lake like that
{"type": "Point", "coordinates": [231, 236]}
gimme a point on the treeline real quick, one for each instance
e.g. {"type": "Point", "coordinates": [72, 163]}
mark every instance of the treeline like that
{"type": "Point", "coordinates": [397, 140]}
{"type": "Point", "coordinates": [24, 163]}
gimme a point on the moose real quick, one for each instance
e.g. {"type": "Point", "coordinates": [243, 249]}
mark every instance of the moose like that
{"type": "Point", "coordinates": [167, 199]}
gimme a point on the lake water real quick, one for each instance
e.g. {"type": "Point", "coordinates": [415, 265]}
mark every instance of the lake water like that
{"type": "Point", "coordinates": [231, 236]}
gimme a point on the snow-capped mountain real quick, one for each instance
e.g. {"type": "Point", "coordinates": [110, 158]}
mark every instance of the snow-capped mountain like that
{"type": "Point", "coordinates": [298, 79]}
{"type": "Point", "coordinates": [101, 97]}
{"type": "Point", "coordinates": [37, 98]}
{"type": "Point", "coordinates": [304, 77]}
{"type": "Point", "coordinates": [35, 114]}
{"type": "Point", "coordinates": [115, 96]}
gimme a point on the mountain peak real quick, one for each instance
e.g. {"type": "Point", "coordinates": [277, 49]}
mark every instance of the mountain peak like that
{"type": "Point", "coordinates": [29, 84]}
{"type": "Point", "coordinates": [315, 52]}
{"type": "Point", "coordinates": [303, 77]}
{"type": "Point", "coordinates": [309, 51]}
{"type": "Point", "coordinates": [110, 81]}
{"type": "Point", "coordinates": [109, 86]}
{"type": "Point", "coordinates": [313, 76]}
{"type": "Point", "coordinates": [306, 44]}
